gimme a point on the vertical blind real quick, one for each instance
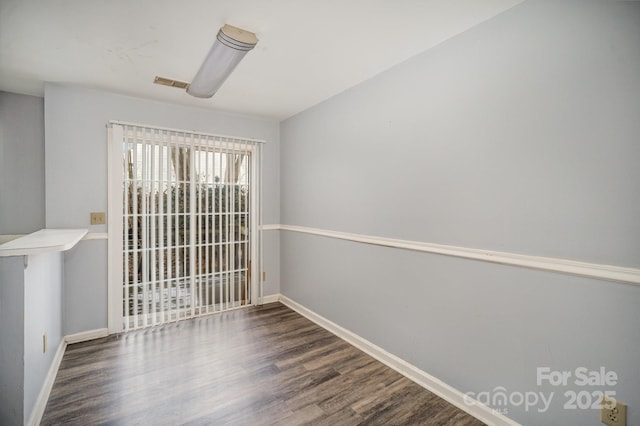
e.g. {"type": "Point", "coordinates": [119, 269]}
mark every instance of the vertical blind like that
{"type": "Point", "coordinates": [187, 214]}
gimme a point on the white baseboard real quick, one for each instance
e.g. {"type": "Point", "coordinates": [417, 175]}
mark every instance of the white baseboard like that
{"type": "Point", "coordinates": [427, 381]}
{"type": "Point", "coordinates": [270, 298]}
{"type": "Point", "coordinates": [41, 403]}
{"type": "Point", "coordinates": [86, 335]}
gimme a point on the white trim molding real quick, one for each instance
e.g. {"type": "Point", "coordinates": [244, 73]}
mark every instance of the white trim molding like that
{"type": "Point", "coordinates": [413, 373]}
{"type": "Point", "coordinates": [115, 136]}
{"type": "Point", "coordinates": [96, 236]}
{"type": "Point", "coordinates": [270, 298]}
{"type": "Point", "coordinates": [564, 266]}
{"type": "Point", "coordinates": [86, 335]}
{"type": "Point", "coordinates": [43, 397]}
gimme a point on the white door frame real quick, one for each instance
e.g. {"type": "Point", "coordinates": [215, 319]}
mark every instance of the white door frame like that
{"type": "Point", "coordinates": [115, 140]}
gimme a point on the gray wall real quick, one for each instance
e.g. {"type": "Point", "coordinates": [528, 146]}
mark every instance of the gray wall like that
{"type": "Point", "coordinates": [12, 338]}
{"type": "Point", "coordinates": [30, 306]}
{"type": "Point", "coordinates": [76, 178]}
{"type": "Point", "coordinates": [21, 163]}
{"type": "Point", "coordinates": [43, 315]}
{"type": "Point", "coordinates": [84, 298]}
{"type": "Point", "coordinates": [520, 135]}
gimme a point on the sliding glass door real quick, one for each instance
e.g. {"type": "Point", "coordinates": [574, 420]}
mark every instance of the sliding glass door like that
{"type": "Point", "coordinates": [188, 221]}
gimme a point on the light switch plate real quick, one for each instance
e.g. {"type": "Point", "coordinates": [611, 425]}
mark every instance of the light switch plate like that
{"type": "Point", "coordinates": [97, 218]}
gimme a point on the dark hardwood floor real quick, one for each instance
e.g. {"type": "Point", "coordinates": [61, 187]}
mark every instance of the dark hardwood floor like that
{"type": "Point", "coordinates": [256, 366]}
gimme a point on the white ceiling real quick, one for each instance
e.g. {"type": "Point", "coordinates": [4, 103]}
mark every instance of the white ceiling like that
{"type": "Point", "coordinates": [309, 50]}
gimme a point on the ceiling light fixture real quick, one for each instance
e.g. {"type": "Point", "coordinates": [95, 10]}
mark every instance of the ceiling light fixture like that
{"type": "Point", "coordinates": [231, 45]}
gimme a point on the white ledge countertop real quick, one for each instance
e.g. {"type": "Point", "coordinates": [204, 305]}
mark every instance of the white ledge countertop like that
{"type": "Point", "coordinates": [43, 241]}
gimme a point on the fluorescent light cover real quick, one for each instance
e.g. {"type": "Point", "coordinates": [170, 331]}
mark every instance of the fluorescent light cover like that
{"type": "Point", "coordinates": [227, 51]}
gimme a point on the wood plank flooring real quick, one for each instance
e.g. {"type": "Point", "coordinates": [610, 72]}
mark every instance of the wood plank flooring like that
{"type": "Point", "coordinates": [264, 365]}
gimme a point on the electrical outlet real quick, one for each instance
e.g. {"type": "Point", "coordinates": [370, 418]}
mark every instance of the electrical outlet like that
{"type": "Point", "coordinates": [44, 343]}
{"type": "Point", "coordinates": [613, 413]}
{"type": "Point", "coordinates": [97, 218]}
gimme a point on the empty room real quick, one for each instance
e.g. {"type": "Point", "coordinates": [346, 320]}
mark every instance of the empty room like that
{"type": "Point", "coordinates": [320, 212]}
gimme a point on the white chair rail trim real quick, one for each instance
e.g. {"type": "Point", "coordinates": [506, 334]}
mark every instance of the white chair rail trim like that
{"type": "Point", "coordinates": [96, 236]}
{"type": "Point", "coordinates": [571, 267]}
